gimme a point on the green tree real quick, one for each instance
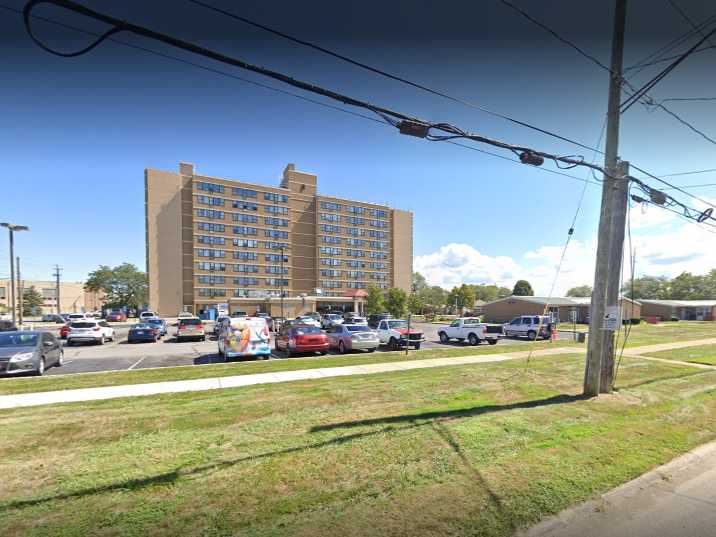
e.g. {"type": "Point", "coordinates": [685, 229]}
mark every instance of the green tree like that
{"type": "Point", "coordinates": [123, 285]}
{"type": "Point", "coordinates": [648, 287]}
{"type": "Point", "coordinates": [415, 303]}
{"type": "Point", "coordinates": [523, 288]}
{"type": "Point", "coordinates": [419, 282]}
{"type": "Point", "coordinates": [491, 292]}
{"type": "Point", "coordinates": [462, 297]}
{"type": "Point", "coordinates": [374, 301]}
{"type": "Point", "coordinates": [31, 301]}
{"type": "Point", "coordinates": [433, 298]}
{"type": "Point", "coordinates": [396, 302]}
{"type": "Point", "coordinates": [580, 291]}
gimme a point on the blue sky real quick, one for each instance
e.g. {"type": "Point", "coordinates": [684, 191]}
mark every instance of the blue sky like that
{"type": "Point", "coordinates": [78, 133]}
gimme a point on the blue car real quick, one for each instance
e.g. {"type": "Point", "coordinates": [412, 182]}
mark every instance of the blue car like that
{"type": "Point", "coordinates": [142, 332]}
{"type": "Point", "coordinates": [159, 324]}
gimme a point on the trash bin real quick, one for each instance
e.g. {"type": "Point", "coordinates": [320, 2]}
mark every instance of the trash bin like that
{"type": "Point", "coordinates": [581, 337]}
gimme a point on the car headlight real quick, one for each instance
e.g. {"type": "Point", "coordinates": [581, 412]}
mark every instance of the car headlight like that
{"type": "Point", "coordinates": [23, 356]}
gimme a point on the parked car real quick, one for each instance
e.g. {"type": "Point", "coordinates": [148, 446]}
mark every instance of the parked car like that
{"type": "Point", "coordinates": [76, 317]}
{"type": "Point", "coordinates": [7, 326]}
{"type": "Point", "coordinates": [217, 324]}
{"type": "Point", "coordinates": [348, 337]}
{"type": "Point", "coordinates": [307, 320]}
{"type": "Point", "coordinates": [146, 315]}
{"type": "Point", "coordinates": [375, 318]}
{"type": "Point", "coordinates": [277, 323]}
{"type": "Point", "coordinates": [185, 315]}
{"type": "Point", "coordinates": [300, 338]}
{"type": "Point", "coordinates": [191, 328]}
{"type": "Point", "coordinates": [116, 316]}
{"type": "Point", "coordinates": [530, 326]}
{"type": "Point", "coordinates": [90, 330]}
{"type": "Point", "coordinates": [142, 332]}
{"type": "Point", "coordinates": [355, 320]}
{"type": "Point", "coordinates": [330, 320]}
{"type": "Point", "coordinates": [29, 351]}
{"type": "Point", "coordinates": [64, 330]}
{"type": "Point", "coordinates": [52, 318]}
{"type": "Point", "coordinates": [240, 337]}
{"type": "Point", "coordinates": [159, 324]}
{"type": "Point", "coordinates": [394, 333]}
{"type": "Point", "coordinates": [238, 314]}
{"type": "Point", "coordinates": [470, 329]}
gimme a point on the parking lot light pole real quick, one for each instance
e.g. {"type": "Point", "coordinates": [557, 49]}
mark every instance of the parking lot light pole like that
{"type": "Point", "coordinates": [282, 248]}
{"type": "Point", "coordinates": [12, 228]}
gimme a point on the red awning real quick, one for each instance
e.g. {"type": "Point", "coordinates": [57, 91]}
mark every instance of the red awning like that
{"type": "Point", "coordinates": [356, 293]}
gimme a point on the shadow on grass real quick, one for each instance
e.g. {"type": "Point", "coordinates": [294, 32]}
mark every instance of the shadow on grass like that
{"type": "Point", "coordinates": [450, 414]}
{"type": "Point", "coordinates": [409, 421]}
{"type": "Point", "coordinates": [661, 379]}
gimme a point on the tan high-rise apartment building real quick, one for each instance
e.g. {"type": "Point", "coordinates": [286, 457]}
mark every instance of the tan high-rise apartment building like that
{"type": "Point", "coordinates": [222, 244]}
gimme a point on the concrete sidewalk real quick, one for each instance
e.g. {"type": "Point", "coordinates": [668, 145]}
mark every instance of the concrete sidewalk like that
{"type": "Point", "coordinates": [133, 390]}
{"type": "Point", "coordinates": [674, 500]}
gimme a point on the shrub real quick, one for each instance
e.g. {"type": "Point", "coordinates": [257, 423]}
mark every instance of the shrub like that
{"type": "Point", "coordinates": [674, 319]}
{"type": "Point", "coordinates": [631, 321]}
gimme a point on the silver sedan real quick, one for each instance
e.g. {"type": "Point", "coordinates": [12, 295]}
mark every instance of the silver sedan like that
{"type": "Point", "coordinates": [345, 337]}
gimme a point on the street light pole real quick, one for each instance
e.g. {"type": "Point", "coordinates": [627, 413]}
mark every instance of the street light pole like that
{"type": "Point", "coordinates": [11, 230]}
{"type": "Point", "coordinates": [281, 283]}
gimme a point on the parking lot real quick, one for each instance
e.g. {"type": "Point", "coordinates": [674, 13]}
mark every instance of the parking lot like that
{"type": "Point", "coordinates": [168, 352]}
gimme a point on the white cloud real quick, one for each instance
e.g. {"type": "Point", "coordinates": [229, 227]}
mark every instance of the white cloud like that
{"type": "Point", "coordinates": [665, 245]}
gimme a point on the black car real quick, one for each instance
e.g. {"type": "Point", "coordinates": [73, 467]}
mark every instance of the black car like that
{"type": "Point", "coordinates": [375, 318]}
{"type": "Point", "coordinates": [7, 326]}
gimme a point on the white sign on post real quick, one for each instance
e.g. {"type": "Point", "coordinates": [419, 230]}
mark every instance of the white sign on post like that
{"type": "Point", "coordinates": [611, 318]}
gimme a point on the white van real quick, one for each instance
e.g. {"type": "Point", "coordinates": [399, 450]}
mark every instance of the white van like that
{"type": "Point", "coordinates": [239, 337]}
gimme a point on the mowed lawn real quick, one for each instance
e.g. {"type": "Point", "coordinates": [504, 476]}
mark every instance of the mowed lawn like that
{"type": "Point", "coordinates": [669, 332]}
{"type": "Point", "coordinates": [10, 386]}
{"type": "Point", "coordinates": [466, 450]}
{"type": "Point", "coordinates": [704, 354]}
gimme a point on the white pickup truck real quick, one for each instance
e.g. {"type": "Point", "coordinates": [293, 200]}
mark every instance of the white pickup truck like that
{"type": "Point", "coordinates": [394, 333]}
{"type": "Point", "coordinates": [470, 329]}
{"type": "Point", "coordinates": [530, 326]}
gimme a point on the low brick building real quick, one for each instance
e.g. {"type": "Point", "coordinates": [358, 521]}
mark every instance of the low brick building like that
{"type": "Point", "coordinates": [560, 308]}
{"type": "Point", "coordinates": [685, 310]}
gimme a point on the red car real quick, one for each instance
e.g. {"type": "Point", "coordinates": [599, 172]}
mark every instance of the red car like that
{"type": "Point", "coordinates": [116, 317]}
{"type": "Point", "coordinates": [64, 330]}
{"type": "Point", "coordinates": [301, 338]}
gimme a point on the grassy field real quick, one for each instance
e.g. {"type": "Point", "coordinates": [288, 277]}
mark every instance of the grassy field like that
{"type": "Point", "coordinates": [138, 376]}
{"type": "Point", "coordinates": [705, 354]}
{"type": "Point", "coordinates": [651, 334]}
{"type": "Point", "coordinates": [466, 450]}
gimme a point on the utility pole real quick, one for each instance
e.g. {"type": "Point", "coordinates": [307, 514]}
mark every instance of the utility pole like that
{"type": "Point", "coordinates": [57, 287]}
{"type": "Point", "coordinates": [13, 310]}
{"type": "Point", "coordinates": [608, 241]}
{"type": "Point", "coordinates": [20, 290]}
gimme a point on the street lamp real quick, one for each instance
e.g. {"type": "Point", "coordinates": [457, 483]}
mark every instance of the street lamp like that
{"type": "Point", "coordinates": [12, 228]}
{"type": "Point", "coordinates": [282, 247]}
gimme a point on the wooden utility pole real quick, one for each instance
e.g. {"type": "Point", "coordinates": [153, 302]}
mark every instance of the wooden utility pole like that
{"type": "Point", "coordinates": [20, 291]}
{"type": "Point", "coordinates": [57, 287]}
{"type": "Point", "coordinates": [608, 241]}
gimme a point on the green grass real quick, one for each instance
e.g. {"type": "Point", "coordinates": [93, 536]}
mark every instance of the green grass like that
{"type": "Point", "coordinates": [138, 376]}
{"type": "Point", "coordinates": [465, 450]}
{"type": "Point", "coordinates": [669, 332]}
{"type": "Point", "coordinates": [705, 354]}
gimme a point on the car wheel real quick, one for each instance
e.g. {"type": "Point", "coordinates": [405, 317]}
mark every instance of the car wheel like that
{"type": "Point", "coordinates": [101, 340]}
{"type": "Point", "coordinates": [41, 367]}
{"type": "Point", "coordinates": [371, 350]}
{"type": "Point", "coordinates": [203, 338]}
{"type": "Point", "coordinates": [288, 353]}
{"type": "Point", "coordinates": [492, 341]}
{"type": "Point", "coordinates": [341, 347]}
{"type": "Point", "coordinates": [473, 339]}
{"type": "Point", "coordinates": [531, 335]}
{"type": "Point", "coordinates": [443, 337]}
{"type": "Point", "coordinates": [393, 344]}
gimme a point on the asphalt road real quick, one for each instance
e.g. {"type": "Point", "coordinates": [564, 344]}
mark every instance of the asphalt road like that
{"type": "Point", "coordinates": [120, 355]}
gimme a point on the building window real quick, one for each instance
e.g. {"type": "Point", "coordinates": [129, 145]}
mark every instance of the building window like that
{"type": "Point", "coordinates": [210, 278]}
{"type": "Point", "coordinates": [330, 272]}
{"type": "Point", "coordinates": [330, 262]}
{"type": "Point", "coordinates": [248, 218]}
{"type": "Point", "coordinates": [378, 265]}
{"type": "Point", "coordinates": [275, 245]}
{"type": "Point", "coordinates": [276, 282]}
{"type": "Point", "coordinates": [246, 280]}
{"type": "Point", "coordinates": [356, 285]}
{"type": "Point", "coordinates": [378, 213]}
{"type": "Point", "coordinates": [211, 292]}
{"type": "Point", "coordinates": [244, 192]}
{"type": "Point", "coordinates": [276, 258]}
{"type": "Point", "coordinates": [330, 284]}
{"type": "Point", "coordinates": [355, 209]}
{"type": "Point", "coordinates": [276, 270]}
{"type": "Point", "coordinates": [210, 226]}
{"type": "Point", "coordinates": [275, 209]}
{"type": "Point", "coordinates": [355, 242]}
{"type": "Point", "coordinates": [377, 234]}
{"type": "Point", "coordinates": [206, 252]}
{"type": "Point", "coordinates": [272, 196]}
{"type": "Point", "coordinates": [272, 221]}
{"type": "Point", "coordinates": [331, 206]}
{"type": "Point", "coordinates": [206, 239]}
{"type": "Point", "coordinates": [379, 255]}
{"type": "Point", "coordinates": [330, 250]}
{"type": "Point", "coordinates": [355, 253]}
{"type": "Point", "coordinates": [379, 245]}
{"type": "Point", "coordinates": [210, 187]}
{"type": "Point", "coordinates": [208, 200]}
{"type": "Point", "coordinates": [276, 234]}
{"type": "Point", "coordinates": [245, 205]}
{"type": "Point", "coordinates": [247, 256]}
{"type": "Point", "coordinates": [244, 230]}
{"type": "Point", "coordinates": [331, 240]}
{"type": "Point", "coordinates": [330, 228]}
{"type": "Point", "coordinates": [205, 265]}
{"type": "Point", "coordinates": [246, 268]}
{"type": "Point", "coordinates": [355, 263]}
{"type": "Point", "coordinates": [210, 213]}
{"type": "Point", "coordinates": [246, 243]}
{"type": "Point", "coordinates": [330, 217]}
{"type": "Point", "coordinates": [355, 231]}
{"type": "Point", "coordinates": [355, 220]}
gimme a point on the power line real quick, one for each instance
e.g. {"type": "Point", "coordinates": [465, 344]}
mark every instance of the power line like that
{"type": "Point", "coordinates": [692, 186]}
{"type": "Point", "coordinates": [281, 91]}
{"type": "Point", "coordinates": [687, 18]}
{"type": "Point", "coordinates": [688, 173]}
{"type": "Point", "coordinates": [383, 73]}
{"type": "Point", "coordinates": [689, 99]}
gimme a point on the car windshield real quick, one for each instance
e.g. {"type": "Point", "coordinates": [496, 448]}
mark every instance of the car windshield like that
{"type": "Point", "coordinates": [76, 316]}
{"type": "Point", "coordinates": [154, 321]}
{"type": "Point", "coordinates": [191, 321]}
{"type": "Point", "coordinates": [333, 316]}
{"type": "Point", "coordinates": [18, 339]}
{"type": "Point", "coordinates": [83, 325]}
{"type": "Point", "coordinates": [397, 324]}
{"type": "Point", "coordinates": [306, 330]}
{"type": "Point", "coordinates": [142, 326]}
{"type": "Point", "coordinates": [357, 328]}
